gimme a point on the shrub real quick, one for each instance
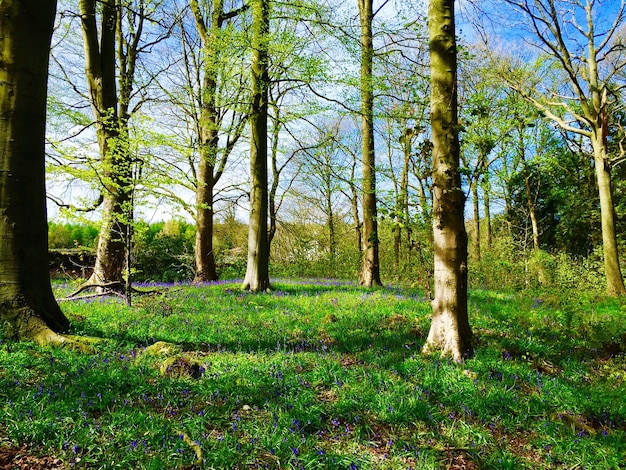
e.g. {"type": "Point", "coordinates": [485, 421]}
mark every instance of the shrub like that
{"type": "Point", "coordinates": [163, 252]}
{"type": "Point", "coordinates": [72, 235]}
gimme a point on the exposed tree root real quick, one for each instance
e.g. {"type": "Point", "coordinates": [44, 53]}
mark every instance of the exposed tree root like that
{"type": "Point", "coordinates": [47, 337]}
{"type": "Point", "coordinates": [194, 446]}
{"type": "Point", "coordinates": [29, 327]}
{"type": "Point", "coordinates": [114, 287]}
{"type": "Point", "coordinates": [108, 288]}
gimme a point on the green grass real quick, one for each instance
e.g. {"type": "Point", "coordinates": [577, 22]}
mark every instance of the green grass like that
{"type": "Point", "coordinates": [323, 375]}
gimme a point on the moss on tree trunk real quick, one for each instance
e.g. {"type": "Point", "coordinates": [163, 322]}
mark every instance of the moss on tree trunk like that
{"type": "Point", "coordinates": [28, 309]}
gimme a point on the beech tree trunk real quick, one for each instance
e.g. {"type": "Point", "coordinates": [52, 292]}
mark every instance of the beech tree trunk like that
{"type": "Point", "coordinates": [257, 271]}
{"type": "Point", "coordinates": [370, 270]}
{"type": "Point", "coordinates": [206, 269]}
{"type": "Point", "coordinates": [450, 332]}
{"type": "Point", "coordinates": [273, 201]}
{"type": "Point", "coordinates": [613, 273]}
{"type": "Point", "coordinates": [28, 309]}
{"type": "Point", "coordinates": [111, 128]}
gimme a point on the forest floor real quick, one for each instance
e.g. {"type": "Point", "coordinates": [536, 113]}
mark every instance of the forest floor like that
{"type": "Point", "coordinates": [319, 374]}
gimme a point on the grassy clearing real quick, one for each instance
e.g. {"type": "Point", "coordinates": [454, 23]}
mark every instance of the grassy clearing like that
{"type": "Point", "coordinates": [321, 375]}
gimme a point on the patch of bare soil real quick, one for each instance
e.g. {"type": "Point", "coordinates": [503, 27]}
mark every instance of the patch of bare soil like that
{"type": "Point", "coordinates": [459, 460]}
{"type": "Point", "coordinates": [20, 458]}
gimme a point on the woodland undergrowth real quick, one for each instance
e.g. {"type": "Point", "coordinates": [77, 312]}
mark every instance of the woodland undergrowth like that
{"type": "Point", "coordinates": [319, 374]}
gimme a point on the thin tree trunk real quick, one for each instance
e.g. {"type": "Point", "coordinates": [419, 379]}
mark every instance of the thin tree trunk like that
{"type": "Point", "coordinates": [330, 221]}
{"type": "Point", "coordinates": [613, 273]}
{"type": "Point", "coordinates": [354, 202]}
{"type": "Point", "coordinates": [257, 272]}
{"type": "Point", "coordinates": [530, 201]}
{"type": "Point", "coordinates": [370, 270]}
{"type": "Point", "coordinates": [404, 191]}
{"type": "Point", "coordinates": [273, 210]}
{"type": "Point", "coordinates": [476, 206]}
{"type": "Point", "coordinates": [487, 211]}
{"type": "Point", "coordinates": [450, 332]}
{"type": "Point", "coordinates": [28, 309]}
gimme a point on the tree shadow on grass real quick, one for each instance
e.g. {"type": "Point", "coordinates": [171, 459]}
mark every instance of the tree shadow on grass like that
{"type": "Point", "coordinates": [534, 328]}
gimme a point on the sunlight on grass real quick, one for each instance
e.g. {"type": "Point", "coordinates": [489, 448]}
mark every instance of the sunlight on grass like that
{"type": "Point", "coordinates": [319, 374]}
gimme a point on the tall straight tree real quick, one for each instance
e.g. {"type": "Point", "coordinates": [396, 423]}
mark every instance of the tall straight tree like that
{"type": "Point", "coordinates": [27, 305]}
{"type": "Point", "coordinates": [100, 70]}
{"type": "Point", "coordinates": [257, 272]}
{"type": "Point", "coordinates": [584, 39]}
{"type": "Point", "coordinates": [210, 165]}
{"type": "Point", "coordinates": [112, 50]}
{"type": "Point", "coordinates": [450, 331]}
{"type": "Point", "coordinates": [370, 270]}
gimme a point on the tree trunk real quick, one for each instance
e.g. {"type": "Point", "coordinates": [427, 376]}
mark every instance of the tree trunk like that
{"type": "Point", "coordinates": [532, 213]}
{"type": "Point", "coordinates": [407, 142]}
{"type": "Point", "coordinates": [330, 220]}
{"type": "Point", "coordinates": [206, 269]}
{"type": "Point", "coordinates": [487, 211]}
{"type": "Point", "coordinates": [450, 332]}
{"type": "Point", "coordinates": [613, 273]}
{"type": "Point", "coordinates": [354, 203]}
{"type": "Point", "coordinates": [476, 205]}
{"type": "Point", "coordinates": [112, 132]}
{"type": "Point", "coordinates": [257, 271]}
{"type": "Point", "coordinates": [28, 309]}
{"type": "Point", "coordinates": [273, 210]}
{"type": "Point", "coordinates": [370, 270]}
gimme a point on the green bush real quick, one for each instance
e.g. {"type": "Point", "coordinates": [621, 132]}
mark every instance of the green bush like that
{"type": "Point", "coordinates": [72, 235]}
{"type": "Point", "coordinates": [163, 252]}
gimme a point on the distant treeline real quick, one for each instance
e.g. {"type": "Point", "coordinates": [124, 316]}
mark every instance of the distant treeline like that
{"type": "Point", "coordinates": [161, 251]}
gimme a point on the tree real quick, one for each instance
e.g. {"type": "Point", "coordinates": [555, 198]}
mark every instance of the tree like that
{"type": "Point", "coordinates": [450, 331]}
{"type": "Point", "coordinates": [27, 305]}
{"type": "Point", "coordinates": [257, 270]}
{"type": "Point", "coordinates": [100, 70]}
{"type": "Point", "coordinates": [556, 192]}
{"type": "Point", "coordinates": [114, 37]}
{"type": "Point", "coordinates": [402, 112]}
{"type": "Point", "coordinates": [484, 127]}
{"type": "Point", "coordinates": [370, 271]}
{"type": "Point", "coordinates": [211, 163]}
{"type": "Point", "coordinates": [582, 39]}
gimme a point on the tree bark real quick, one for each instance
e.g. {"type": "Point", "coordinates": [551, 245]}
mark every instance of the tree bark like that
{"type": "Point", "coordinates": [487, 210]}
{"type": "Point", "coordinates": [476, 206]}
{"type": "Point", "coordinates": [450, 332]}
{"type": "Point", "coordinates": [273, 194]}
{"type": "Point", "coordinates": [354, 204]}
{"type": "Point", "coordinates": [407, 142]}
{"type": "Point", "coordinates": [613, 273]}
{"type": "Point", "coordinates": [532, 213]}
{"type": "Point", "coordinates": [257, 271]}
{"type": "Point", "coordinates": [112, 132]}
{"type": "Point", "coordinates": [28, 309]}
{"type": "Point", "coordinates": [330, 213]}
{"type": "Point", "coordinates": [206, 269]}
{"type": "Point", "coordinates": [370, 270]}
